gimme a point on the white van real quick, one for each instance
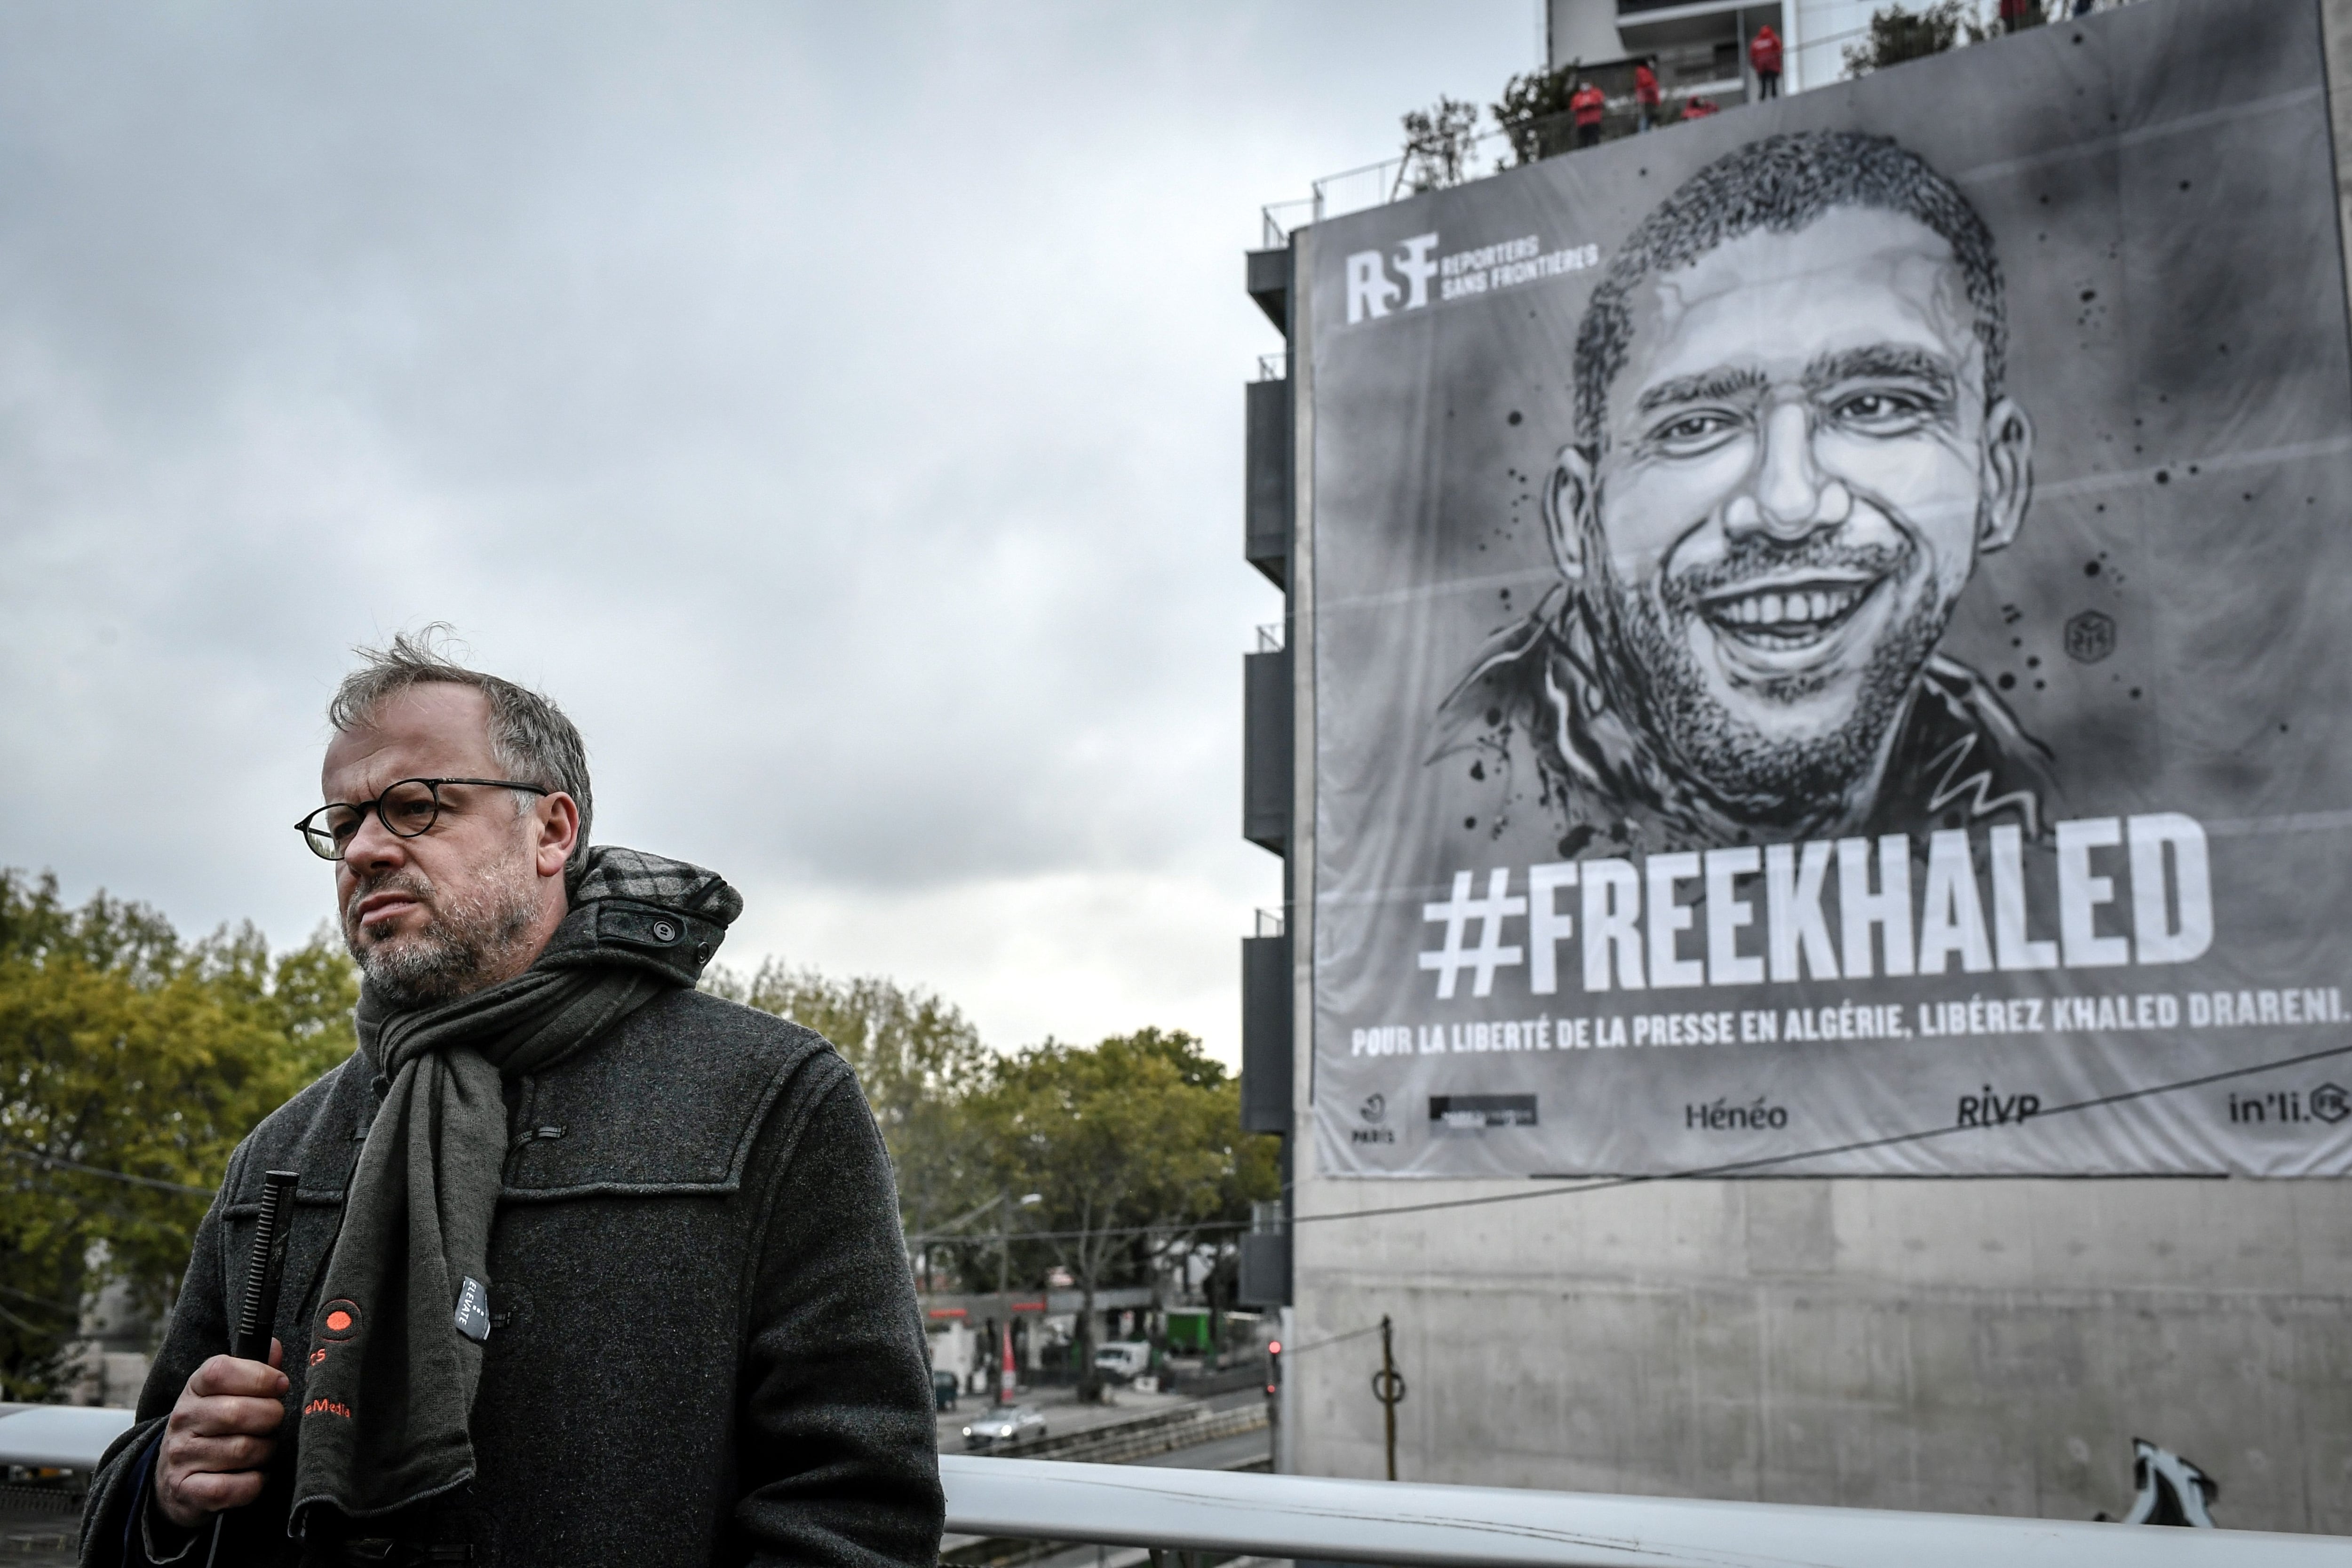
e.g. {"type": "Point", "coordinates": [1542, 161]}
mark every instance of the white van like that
{"type": "Point", "coordinates": [1123, 1359]}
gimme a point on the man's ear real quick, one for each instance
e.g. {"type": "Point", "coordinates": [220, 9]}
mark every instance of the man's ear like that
{"type": "Point", "coordinates": [1568, 501]}
{"type": "Point", "coordinates": [558, 826]}
{"type": "Point", "coordinates": [2008, 475]}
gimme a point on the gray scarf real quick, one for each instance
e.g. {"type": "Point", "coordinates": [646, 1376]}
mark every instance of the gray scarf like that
{"type": "Point", "coordinates": [397, 1342]}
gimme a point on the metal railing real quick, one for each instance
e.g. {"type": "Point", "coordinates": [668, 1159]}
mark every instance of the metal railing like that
{"type": "Point", "coordinates": [1350, 190]}
{"type": "Point", "coordinates": [1377, 184]}
{"type": "Point", "coordinates": [59, 1437]}
{"type": "Point", "coordinates": [1229, 1513]}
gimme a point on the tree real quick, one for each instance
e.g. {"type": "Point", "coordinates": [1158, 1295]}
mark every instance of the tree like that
{"type": "Point", "coordinates": [916, 1056]}
{"type": "Point", "coordinates": [1896, 34]}
{"type": "Point", "coordinates": [1133, 1144]}
{"type": "Point", "coordinates": [125, 1053]}
{"type": "Point", "coordinates": [1534, 112]}
{"type": "Point", "coordinates": [1437, 144]}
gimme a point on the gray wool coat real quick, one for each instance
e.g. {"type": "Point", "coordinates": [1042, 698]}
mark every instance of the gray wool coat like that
{"type": "Point", "coordinates": [704, 1345]}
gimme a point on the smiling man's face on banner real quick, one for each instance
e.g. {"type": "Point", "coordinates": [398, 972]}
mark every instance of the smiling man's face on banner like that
{"type": "Point", "coordinates": [1798, 468]}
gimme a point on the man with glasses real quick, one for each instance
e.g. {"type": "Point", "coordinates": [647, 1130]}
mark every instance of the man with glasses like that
{"type": "Point", "coordinates": [584, 1265]}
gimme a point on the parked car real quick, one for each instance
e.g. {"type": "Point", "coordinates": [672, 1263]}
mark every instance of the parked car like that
{"type": "Point", "coordinates": [1013, 1428]}
{"type": "Point", "coordinates": [1123, 1359]}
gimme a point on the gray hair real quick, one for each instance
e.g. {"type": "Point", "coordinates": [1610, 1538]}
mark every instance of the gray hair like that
{"type": "Point", "coordinates": [529, 737]}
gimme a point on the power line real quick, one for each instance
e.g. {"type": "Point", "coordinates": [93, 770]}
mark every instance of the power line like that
{"type": "Point", "coordinates": [70, 1309]}
{"type": "Point", "coordinates": [992, 1238]}
{"type": "Point", "coordinates": [1762, 1162]}
{"type": "Point", "coordinates": [51, 1161]}
{"type": "Point", "coordinates": [1332, 1340]}
{"type": "Point", "coordinates": [1699, 1173]}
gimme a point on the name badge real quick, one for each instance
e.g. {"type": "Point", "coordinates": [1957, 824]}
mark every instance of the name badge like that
{"type": "Point", "coordinates": [473, 1314]}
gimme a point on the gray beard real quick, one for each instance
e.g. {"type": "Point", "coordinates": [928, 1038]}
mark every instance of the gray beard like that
{"type": "Point", "coordinates": [468, 938]}
{"type": "Point", "coordinates": [1757, 779]}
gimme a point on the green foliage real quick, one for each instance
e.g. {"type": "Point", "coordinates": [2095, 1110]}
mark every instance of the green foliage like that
{"type": "Point", "coordinates": [1134, 1145]}
{"type": "Point", "coordinates": [124, 1049]}
{"type": "Point", "coordinates": [1141, 1134]}
{"type": "Point", "coordinates": [918, 1059]}
{"type": "Point", "coordinates": [1897, 35]}
{"type": "Point", "coordinates": [1534, 112]}
{"type": "Point", "coordinates": [1437, 144]}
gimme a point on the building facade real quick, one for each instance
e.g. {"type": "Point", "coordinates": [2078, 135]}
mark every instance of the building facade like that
{"type": "Point", "coordinates": [1973, 1345]}
{"type": "Point", "coordinates": [1701, 46]}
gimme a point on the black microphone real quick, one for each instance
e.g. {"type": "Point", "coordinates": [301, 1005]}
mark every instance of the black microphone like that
{"type": "Point", "coordinates": [265, 1270]}
{"type": "Point", "coordinates": [265, 1267]}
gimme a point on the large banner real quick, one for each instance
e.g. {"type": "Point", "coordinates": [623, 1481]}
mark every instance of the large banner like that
{"type": "Point", "coordinates": [1832, 631]}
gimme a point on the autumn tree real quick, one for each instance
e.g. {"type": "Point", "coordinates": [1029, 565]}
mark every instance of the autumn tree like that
{"type": "Point", "coordinates": [917, 1058]}
{"type": "Point", "coordinates": [132, 1063]}
{"type": "Point", "coordinates": [1134, 1145]}
{"type": "Point", "coordinates": [1534, 112]}
{"type": "Point", "coordinates": [1437, 142]}
{"type": "Point", "coordinates": [1896, 34]}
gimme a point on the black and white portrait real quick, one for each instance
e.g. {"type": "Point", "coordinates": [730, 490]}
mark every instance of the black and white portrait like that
{"type": "Point", "coordinates": [1794, 439]}
{"type": "Point", "coordinates": [1829, 619]}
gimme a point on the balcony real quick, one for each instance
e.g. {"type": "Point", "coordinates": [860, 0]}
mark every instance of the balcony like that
{"type": "Point", "coordinates": [1265, 465]}
{"type": "Point", "coordinates": [1267, 744]}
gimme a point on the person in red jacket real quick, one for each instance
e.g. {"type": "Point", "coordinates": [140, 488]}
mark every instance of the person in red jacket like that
{"type": "Point", "coordinates": [1764, 54]}
{"type": "Point", "coordinates": [1645, 96]}
{"type": "Point", "coordinates": [1587, 103]}
{"type": "Point", "coordinates": [1698, 108]}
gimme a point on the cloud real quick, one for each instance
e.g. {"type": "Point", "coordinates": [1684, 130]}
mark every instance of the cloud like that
{"type": "Point", "coordinates": [836, 409]}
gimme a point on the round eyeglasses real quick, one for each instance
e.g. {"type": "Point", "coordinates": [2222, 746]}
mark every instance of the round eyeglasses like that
{"type": "Point", "coordinates": [408, 809]}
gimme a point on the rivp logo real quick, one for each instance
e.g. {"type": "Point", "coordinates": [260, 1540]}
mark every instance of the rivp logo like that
{"type": "Point", "coordinates": [1991, 1109]}
{"type": "Point", "coordinates": [1372, 292]}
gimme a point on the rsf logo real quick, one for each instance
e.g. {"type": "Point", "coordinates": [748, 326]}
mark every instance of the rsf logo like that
{"type": "Point", "coordinates": [1372, 292]}
{"type": "Point", "coordinates": [1375, 1111]}
{"type": "Point", "coordinates": [2330, 1103]}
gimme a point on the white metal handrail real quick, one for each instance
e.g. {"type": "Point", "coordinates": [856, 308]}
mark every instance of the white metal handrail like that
{"type": "Point", "coordinates": [1453, 1527]}
{"type": "Point", "coordinates": [66, 1436]}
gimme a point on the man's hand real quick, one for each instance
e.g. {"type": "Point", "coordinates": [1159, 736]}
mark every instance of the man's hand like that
{"type": "Point", "coordinates": [219, 1437]}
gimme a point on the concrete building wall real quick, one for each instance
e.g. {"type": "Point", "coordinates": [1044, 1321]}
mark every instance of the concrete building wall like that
{"type": "Point", "coordinates": [1988, 1346]}
{"type": "Point", "coordinates": [1976, 1346]}
{"type": "Point", "coordinates": [1583, 30]}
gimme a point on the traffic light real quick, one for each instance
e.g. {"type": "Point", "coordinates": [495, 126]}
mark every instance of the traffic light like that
{"type": "Point", "coordinates": [1273, 1369]}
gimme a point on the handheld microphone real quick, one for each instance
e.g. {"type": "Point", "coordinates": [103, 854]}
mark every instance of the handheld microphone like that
{"type": "Point", "coordinates": [265, 1270]}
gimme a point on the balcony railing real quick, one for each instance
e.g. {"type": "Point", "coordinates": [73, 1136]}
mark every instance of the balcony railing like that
{"type": "Point", "coordinates": [1224, 1514]}
{"type": "Point", "coordinates": [1353, 189]}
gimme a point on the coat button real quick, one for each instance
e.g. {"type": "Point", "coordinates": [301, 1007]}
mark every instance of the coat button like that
{"type": "Point", "coordinates": [664, 931]}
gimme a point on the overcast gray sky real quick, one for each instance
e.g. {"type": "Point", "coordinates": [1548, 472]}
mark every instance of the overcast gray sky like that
{"type": "Point", "coordinates": [837, 408]}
